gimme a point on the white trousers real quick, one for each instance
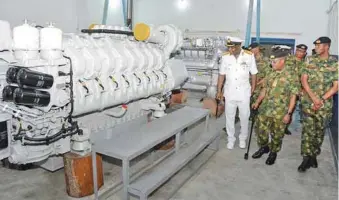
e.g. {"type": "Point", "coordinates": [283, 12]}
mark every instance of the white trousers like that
{"type": "Point", "coordinates": [244, 114]}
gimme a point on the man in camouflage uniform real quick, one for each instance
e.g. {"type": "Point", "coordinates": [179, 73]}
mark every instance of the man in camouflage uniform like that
{"type": "Point", "coordinates": [320, 82]}
{"type": "Point", "coordinates": [298, 59]}
{"type": "Point", "coordinates": [262, 66]}
{"type": "Point", "coordinates": [278, 98]}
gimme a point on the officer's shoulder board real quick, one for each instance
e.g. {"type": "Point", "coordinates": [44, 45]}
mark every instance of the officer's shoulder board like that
{"type": "Point", "coordinates": [226, 53]}
{"type": "Point", "coordinates": [248, 52]}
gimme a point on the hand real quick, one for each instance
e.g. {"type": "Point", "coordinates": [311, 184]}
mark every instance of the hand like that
{"type": "Point", "coordinates": [255, 106]}
{"type": "Point", "coordinates": [287, 119]}
{"type": "Point", "coordinates": [317, 102]}
{"type": "Point", "coordinates": [317, 107]}
{"type": "Point", "coordinates": [220, 96]}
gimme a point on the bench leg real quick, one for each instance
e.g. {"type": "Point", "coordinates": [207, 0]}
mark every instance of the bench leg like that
{"type": "Point", "coordinates": [207, 123]}
{"type": "Point", "coordinates": [125, 177]}
{"type": "Point", "coordinates": [143, 197]}
{"type": "Point", "coordinates": [215, 143]}
{"type": "Point", "coordinates": [94, 173]}
{"type": "Point", "coordinates": [177, 142]}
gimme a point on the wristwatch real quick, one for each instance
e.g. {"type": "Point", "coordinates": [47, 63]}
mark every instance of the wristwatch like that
{"type": "Point", "coordinates": [289, 113]}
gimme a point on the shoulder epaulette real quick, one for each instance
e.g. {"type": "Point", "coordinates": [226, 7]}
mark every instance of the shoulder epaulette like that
{"type": "Point", "coordinates": [226, 53]}
{"type": "Point", "coordinates": [248, 52]}
{"type": "Point", "coordinates": [333, 58]}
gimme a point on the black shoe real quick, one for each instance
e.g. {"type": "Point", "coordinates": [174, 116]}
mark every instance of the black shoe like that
{"type": "Point", "coordinates": [314, 162]}
{"type": "Point", "coordinates": [261, 152]}
{"type": "Point", "coordinates": [318, 151]}
{"type": "Point", "coordinates": [288, 132]}
{"type": "Point", "coordinates": [271, 158]}
{"type": "Point", "coordinates": [224, 129]}
{"type": "Point", "coordinates": [306, 164]}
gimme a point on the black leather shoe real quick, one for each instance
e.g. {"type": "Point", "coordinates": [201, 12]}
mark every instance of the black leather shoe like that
{"type": "Point", "coordinates": [314, 162]}
{"type": "Point", "coordinates": [318, 151]}
{"type": "Point", "coordinates": [288, 132]}
{"type": "Point", "coordinates": [306, 164]}
{"type": "Point", "coordinates": [271, 158]}
{"type": "Point", "coordinates": [261, 152]}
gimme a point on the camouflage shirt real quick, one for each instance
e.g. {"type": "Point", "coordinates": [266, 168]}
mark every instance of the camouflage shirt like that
{"type": "Point", "coordinates": [279, 86]}
{"type": "Point", "coordinates": [297, 64]}
{"type": "Point", "coordinates": [262, 66]}
{"type": "Point", "coordinates": [321, 75]}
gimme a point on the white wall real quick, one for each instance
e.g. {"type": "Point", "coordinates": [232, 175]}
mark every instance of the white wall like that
{"type": "Point", "coordinates": [69, 15]}
{"type": "Point", "coordinates": [304, 20]}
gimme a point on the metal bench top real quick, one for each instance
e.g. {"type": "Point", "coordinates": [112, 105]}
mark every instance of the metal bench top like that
{"type": "Point", "coordinates": [129, 145]}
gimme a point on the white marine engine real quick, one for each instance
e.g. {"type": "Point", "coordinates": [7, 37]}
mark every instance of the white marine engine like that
{"type": "Point", "coordinates": [59, 89]}
{"type": "Point", "coordinates": [201, 56]}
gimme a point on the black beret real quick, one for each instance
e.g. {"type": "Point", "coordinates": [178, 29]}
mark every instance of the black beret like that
{"type": "Point", "coordinates": [302, 46]}
{"type": "Point", "coordinates": [279, 53]}
{"type": "Point", "coordinates": [244, 48]}
{"type": "Point", "coordinates": [323, 40]}
{"type": "Point", "coordinates": [253, 45]}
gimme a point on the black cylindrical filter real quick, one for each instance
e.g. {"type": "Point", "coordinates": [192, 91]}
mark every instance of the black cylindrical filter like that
{"type": "Point", "coordinates": [34, 79]}
{"type": "Point", "coordinates": [8, 92]}
{"type": "Point", "coordinates": [31, 97]}
{"type": "Point", "coordinates": [11, 75]}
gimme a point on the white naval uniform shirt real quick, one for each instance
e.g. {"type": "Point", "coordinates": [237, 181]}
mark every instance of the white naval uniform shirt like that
{"type": "Point", "coordinates": [237, 85]}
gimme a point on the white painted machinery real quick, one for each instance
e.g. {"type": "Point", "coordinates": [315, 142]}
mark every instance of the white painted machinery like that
{"type": "Point", "coordinates": [201, 56]}
{"type": "Point", "coordinates": [59, 90]}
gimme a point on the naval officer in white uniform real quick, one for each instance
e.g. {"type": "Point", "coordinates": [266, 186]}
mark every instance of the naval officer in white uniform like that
{"type": "Point", "coordinates": [234, 84]}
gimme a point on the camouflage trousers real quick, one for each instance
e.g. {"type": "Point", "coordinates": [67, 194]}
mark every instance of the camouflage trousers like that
{"type": "Point", "coordinates": [266, 126]}
{"type": "Point", "coordinates": [312, 135]}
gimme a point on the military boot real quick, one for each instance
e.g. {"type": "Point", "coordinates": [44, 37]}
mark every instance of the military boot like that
{"type": "Point", "coordinates": [271, 158]}
{"type": "Point", "coordinates": [260, 152]}
{"type": "Point", "coordinates": [314, 162]}
{"type": "Point", "coordinates": [287, 132]}
{"type": "Point", "coordinates": [306, 164]}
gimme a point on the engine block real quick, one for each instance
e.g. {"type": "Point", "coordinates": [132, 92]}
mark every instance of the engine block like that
{"type": "Point", "coordinates": [201, 56]}
{"type": "Point", "coordinates": [59, 89]}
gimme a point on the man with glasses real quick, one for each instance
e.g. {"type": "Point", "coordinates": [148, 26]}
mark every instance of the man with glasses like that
{"type": "Point", "coordinates": [233, 84]}
{"type": "Point", "coordinates": [277, 101]}
{"type": "Point", "coordinates": [320, 82]}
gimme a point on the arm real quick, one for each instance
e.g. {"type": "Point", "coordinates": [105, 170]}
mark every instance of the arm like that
{"type": "Point", "coordinates": [253, 82]}
{"type": "Point", "coordinates": [292, 103]}
{"type": "Point", "coordinates": [259, 99]}
{"type": "Point", "coordinates": [260, 82]}
{"type": "Point", "coordinates": [294, 90]}
{"type": "Point", "coordinates": [221, 79]}
{"type": "Point", "coordinates": [331, 92]}
{"type": "Point", "coordinates": [307, 88]}
{"type": "Point", "coordinates": [253, 71]}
